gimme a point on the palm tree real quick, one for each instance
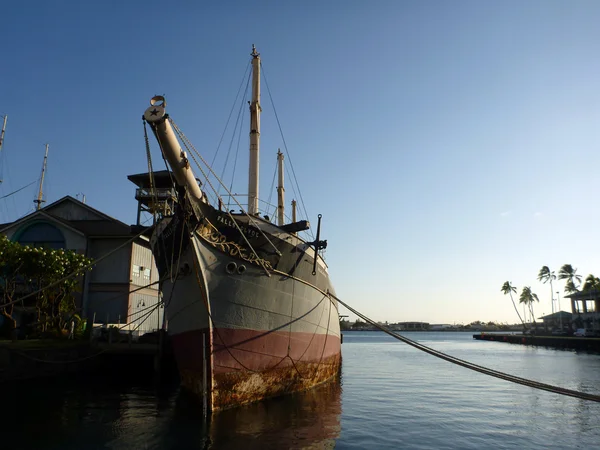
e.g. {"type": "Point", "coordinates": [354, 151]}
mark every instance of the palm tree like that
{"type": "Point", "coordinates": [508, 289]}
{"type": "Point", "coordinates": [567, 272]}
{"type": "Point", "coordinates": [527, 298]}
{"type": "Point", "coordinates": [592, 283]}
{"type": "Point", "coordinates": [546, 275]}
{"type": "Point", "coordinates": [570, 287]}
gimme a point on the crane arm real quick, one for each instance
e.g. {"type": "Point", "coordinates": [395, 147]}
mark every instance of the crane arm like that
{"type": "Point", "coordinates": [157, 117]}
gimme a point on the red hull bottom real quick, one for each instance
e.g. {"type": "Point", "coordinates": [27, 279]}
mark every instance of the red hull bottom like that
{"type": "Point", "coordinates": [246, 366]}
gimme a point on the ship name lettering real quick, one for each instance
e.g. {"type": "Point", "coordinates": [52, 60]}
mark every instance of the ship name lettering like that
{"type": "Point", "coordinates": [228, 222]}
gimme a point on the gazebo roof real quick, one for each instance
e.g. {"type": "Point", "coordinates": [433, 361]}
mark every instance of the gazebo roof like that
{"type": "Point", "coordinates": [584, 295]}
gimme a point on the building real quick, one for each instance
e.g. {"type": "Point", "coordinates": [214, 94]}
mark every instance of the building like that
{"type": "Point", "coordinates": [584, 307]}
{"type": "Point", "coordinates": [557, 319]}
{"type": "Point", "coordinates": [106, 293]}
{"type": "Point", "coordinates": [412, 326]}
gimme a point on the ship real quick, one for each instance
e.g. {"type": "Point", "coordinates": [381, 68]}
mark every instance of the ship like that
{"type": "Point", "coordinates": [250, 309]}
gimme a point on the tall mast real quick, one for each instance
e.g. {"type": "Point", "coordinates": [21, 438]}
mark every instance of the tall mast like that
{"type": "Point", "coordinates": [280, 190]}
{"type": "Point", "coordinates": [39, 200]}
{"type": "Point", "coordinates": [2, 140]}
{"type": "Point", "coordinates": [254, 135]}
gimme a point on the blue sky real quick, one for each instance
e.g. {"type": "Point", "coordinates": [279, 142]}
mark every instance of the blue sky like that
{"type": "Point", "coordinates": [450, 146]}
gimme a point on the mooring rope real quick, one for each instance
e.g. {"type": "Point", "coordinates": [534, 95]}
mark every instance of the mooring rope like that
{"type": "Point", "coordinates": [472, 366]}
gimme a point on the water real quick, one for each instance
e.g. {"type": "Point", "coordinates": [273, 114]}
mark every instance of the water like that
{"type": "Point", "coordinates": [391, 397]}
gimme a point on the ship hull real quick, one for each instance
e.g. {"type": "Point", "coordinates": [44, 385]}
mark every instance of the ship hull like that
{"type": "Point", "coordinates": [242, 330]}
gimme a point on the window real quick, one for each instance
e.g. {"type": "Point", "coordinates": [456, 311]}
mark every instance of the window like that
{"type": "Point", "coordinates": [42, 234]}
{"type": "Point", "coordinates": [146, 274]}
{"type": "Point", "coordinates": [136, 270]}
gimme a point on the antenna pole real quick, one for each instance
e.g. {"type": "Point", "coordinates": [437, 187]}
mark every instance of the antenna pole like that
{"type": "Point", "coordinates": [2, 138]}
{"type": "Point", "coordinates": [39, 200]}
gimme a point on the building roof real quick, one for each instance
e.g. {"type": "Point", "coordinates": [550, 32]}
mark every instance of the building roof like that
{"type": "Point", "coordinates": [101, 227]}
{"type": "Point", "coordinates": [105, 227]}
{"type": "Point", "coordinates": [557, 315]}
{"type": "Point", "coordinates": [68, 198]}
{"type": "Point", "coordinates": [584, 295]}
{"type": "Point", "coordinates": [162, 179]}
{"type": "Point", "coordinates": [41, 214]}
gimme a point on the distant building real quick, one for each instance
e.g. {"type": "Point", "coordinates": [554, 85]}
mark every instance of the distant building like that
{"type": "Point", "coordinates": [556, 319]}
{"type": "Point", "coordinates": [440, 327]}
{"type": "Point", "coordinates": [412, 326]}
{"type": "Point", "coordinates": [584, 307]}
{"type": "Point", "coordinates": [105, 292]}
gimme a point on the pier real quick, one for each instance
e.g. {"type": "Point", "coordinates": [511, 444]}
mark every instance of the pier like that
{"type": "Point", "coordinates": [36, 359]}
{"type": "Point", "coordinates": [558, 342]}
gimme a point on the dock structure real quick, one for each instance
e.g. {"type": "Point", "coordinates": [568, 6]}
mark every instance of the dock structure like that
{"type": "Point", "coordinates": [34, 359]}
{"type": "Point", "coordinates": [558, 342]}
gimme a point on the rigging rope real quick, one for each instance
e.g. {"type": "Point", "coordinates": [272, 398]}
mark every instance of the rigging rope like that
{"type": "Point", "coordinates": [189, 146]}
{"type": "Point", "coordinates": [472, 366]}
{"type": "Point", "coordinates": [231, 112]}
{"type": "Point", "coordinates": [153, 192]}
{"type": "Point", "coordinates": [240, 116]}
{"type": "Point", "coordinates": [18, 190]}
{"type": "Point", "coordinates": [286, 148]}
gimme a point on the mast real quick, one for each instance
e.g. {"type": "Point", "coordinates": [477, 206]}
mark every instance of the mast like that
{"type": "Point", "coordinates": [280, 190]}
{"type": "Point", "coordinates": [293, 211]}
{"type": "Point", "coordinates": [39, 200]}
{"type": "Point", "coordinates": [254, 135]}
{"type": "Point", "coordinates": [2, 140]}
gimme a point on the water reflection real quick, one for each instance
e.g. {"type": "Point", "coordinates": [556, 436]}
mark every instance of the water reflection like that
{"type": "Point", "coordinates": [309, 419]}
{"type": "Point", "coordinates": [99, 413]}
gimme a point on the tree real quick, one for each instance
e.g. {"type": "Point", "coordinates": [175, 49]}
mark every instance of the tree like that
{"type": "Point", "coordinates": [546, 275]}
{"type": "Point", "coordinates": [528, 298]}
{"type": "Point", "coordinates": [591, 283]}
{"type": "Point", "coordinates": [567, 272]}
{"type": "Point", "coordinates": [52, 274]}
{"type": "Point", "coordinates": [508, 289]}
{"type": "Point", "coordinates": [11, 264]}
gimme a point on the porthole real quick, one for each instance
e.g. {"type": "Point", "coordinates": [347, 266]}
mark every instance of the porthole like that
{"type": "Point", "coordinates": [241, 269]}
{"type": "Point", "coordinates": [231, 267]}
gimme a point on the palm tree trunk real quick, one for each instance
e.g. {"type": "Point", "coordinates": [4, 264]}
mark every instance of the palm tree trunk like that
{"type": "Point", "coordinates": [552, 295]}
{"type": "Point", "coordinates": [516, 310]}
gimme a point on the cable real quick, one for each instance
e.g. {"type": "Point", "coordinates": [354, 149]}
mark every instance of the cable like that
{"type": "Point", "coordinates": [472, 366]}
{"type": "Point", "coordinates": [18, 190]}
{"type": "Point", "coordinates": [285, 146]}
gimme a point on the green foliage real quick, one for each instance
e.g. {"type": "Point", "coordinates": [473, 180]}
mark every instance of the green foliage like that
{"type": "Point", "coordinates": [546, 275]}
{"type": "Point", "coordinates": [592, 283]}
{"type": "Point", "coordinates": [507, 288]}
{"type": "Point", "coordinates": [528, 298]}
{"type": "Point", "coordinates": [54, 273]}
{"type": "Point", "coordinates": [567, 272]}
{"type": "Point", "coordinates": [345, 325]}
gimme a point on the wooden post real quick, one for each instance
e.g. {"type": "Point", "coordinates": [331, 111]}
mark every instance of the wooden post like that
{"type": "Point", "coordinates": [204, 387]}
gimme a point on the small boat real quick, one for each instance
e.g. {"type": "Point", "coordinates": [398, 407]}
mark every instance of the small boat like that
{"type": "Point", "coordinates": [250, 307]}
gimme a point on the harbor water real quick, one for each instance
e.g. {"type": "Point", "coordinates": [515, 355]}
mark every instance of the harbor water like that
{"type": "Point", "coordinates": [391, 396]}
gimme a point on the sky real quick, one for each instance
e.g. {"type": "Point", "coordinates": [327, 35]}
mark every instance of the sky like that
{"type": "Point", "coordinates": [449, 146]}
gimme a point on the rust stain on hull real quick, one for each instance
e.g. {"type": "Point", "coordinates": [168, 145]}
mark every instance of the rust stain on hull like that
{"type": "Point", "coordinates": [238, 388]}
{"type": "Point", "coordinates": [242, 387]}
